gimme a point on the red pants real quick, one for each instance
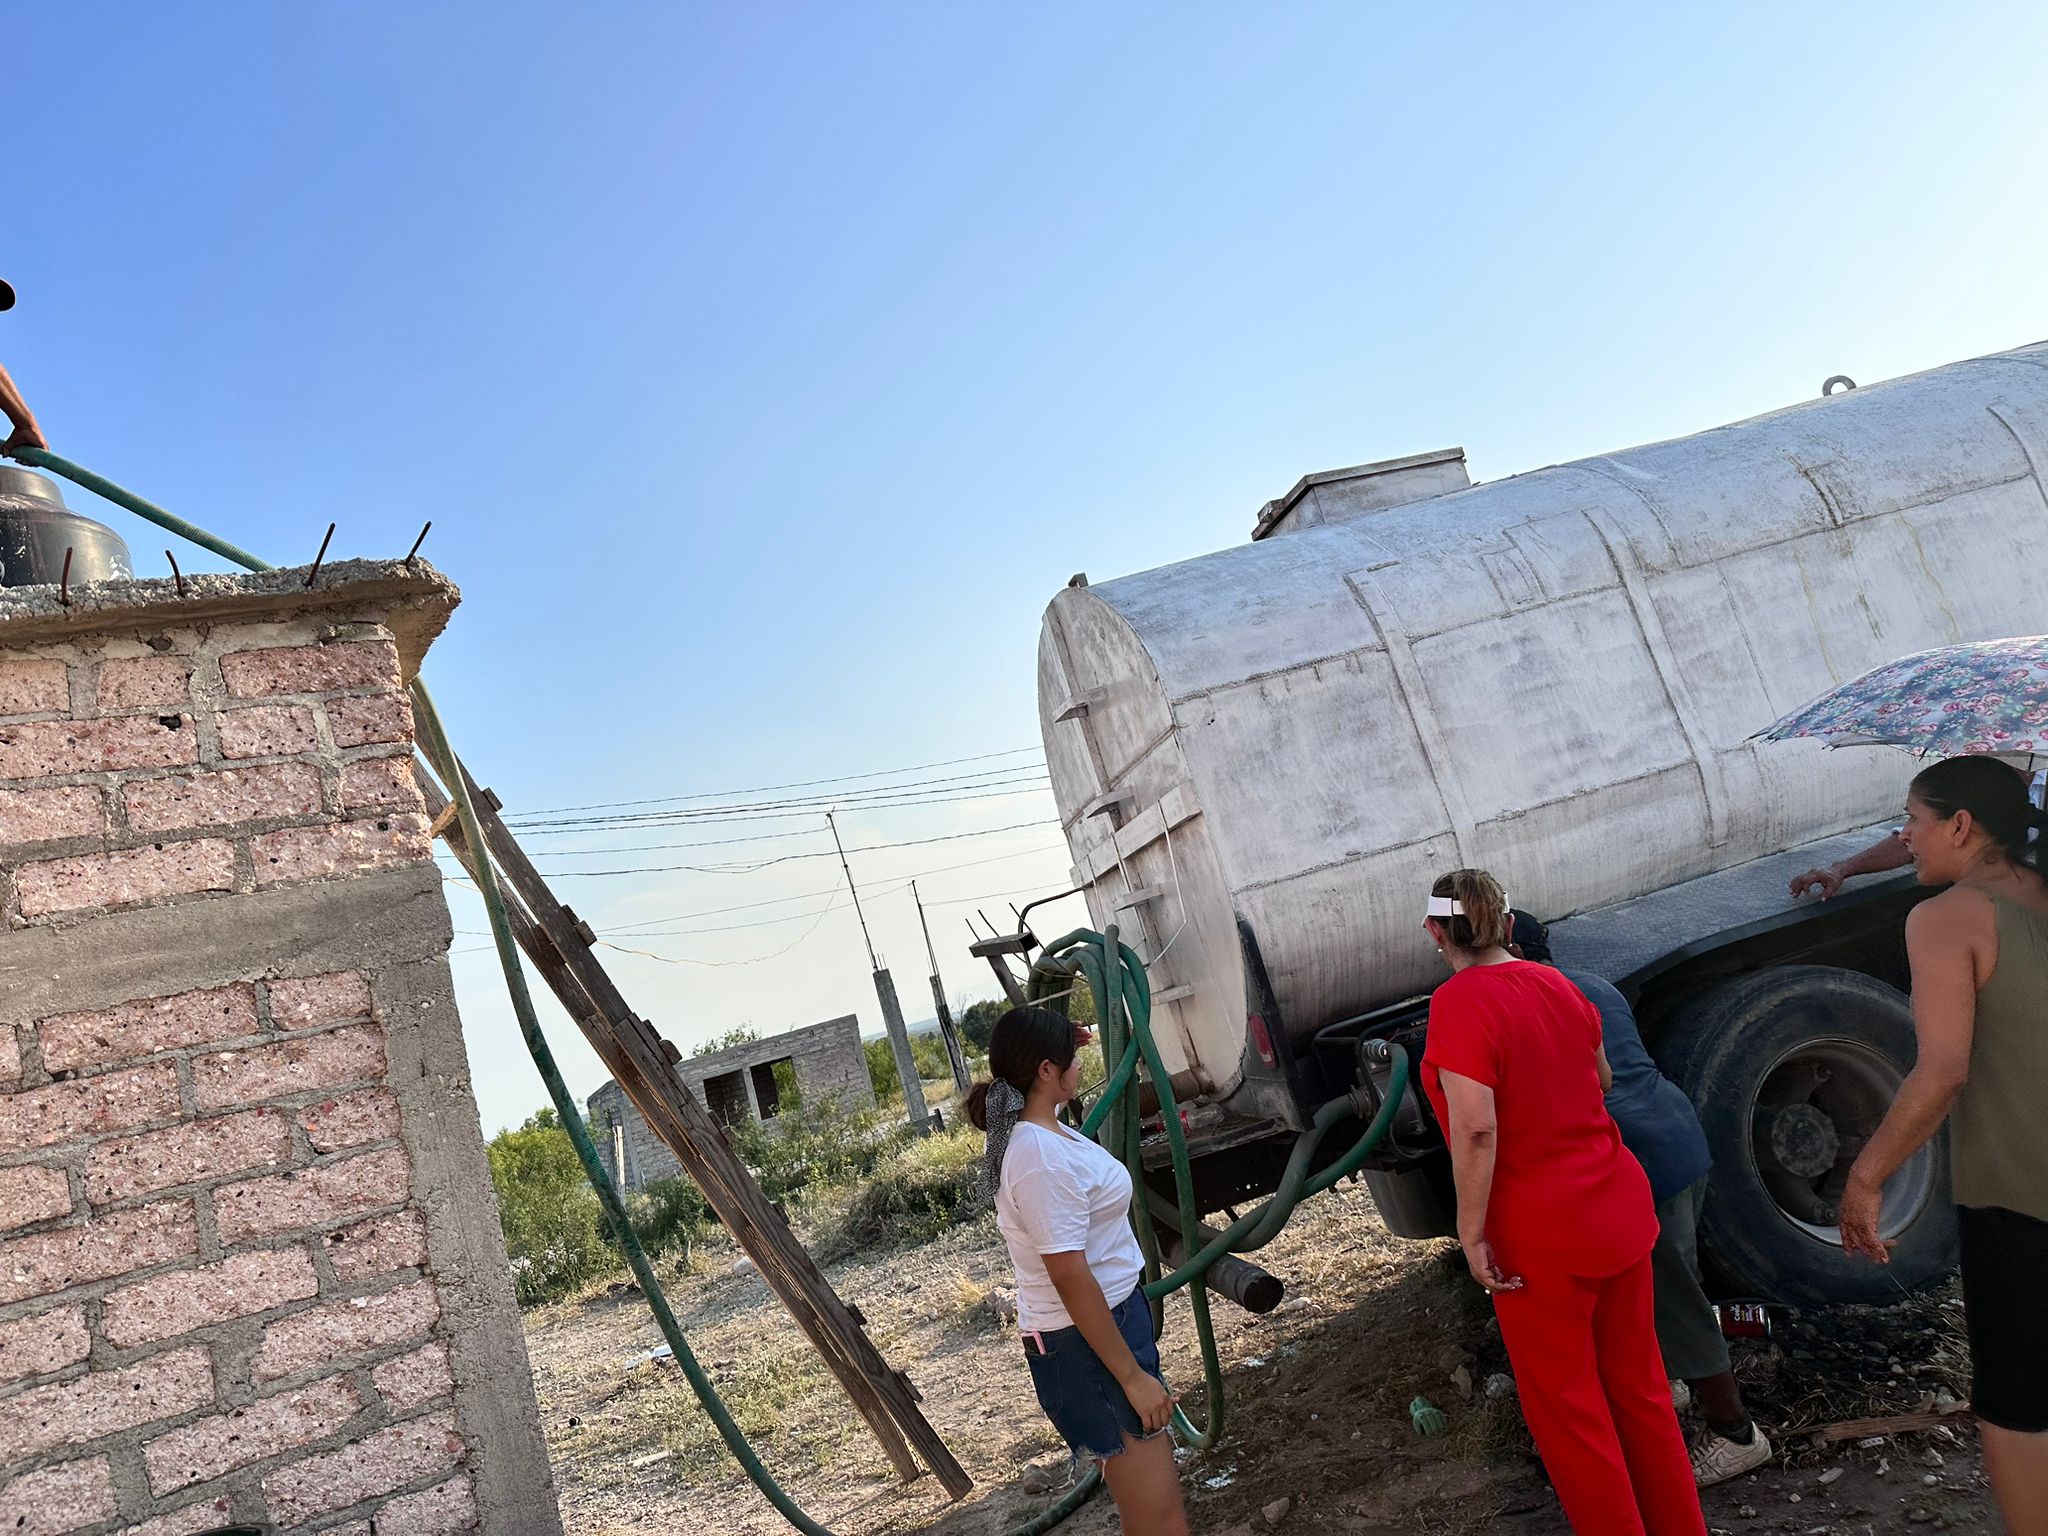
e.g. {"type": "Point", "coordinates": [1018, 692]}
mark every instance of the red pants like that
{"type": "Point", "coordinates": [1591, 1380]}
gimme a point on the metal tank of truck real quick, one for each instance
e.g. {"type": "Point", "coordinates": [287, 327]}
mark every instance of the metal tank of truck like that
{"type": "Point", "coordinates": [1263, 756]}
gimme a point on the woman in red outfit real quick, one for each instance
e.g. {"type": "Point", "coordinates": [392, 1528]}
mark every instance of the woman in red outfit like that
{"type": "Point", "coordinates": [1555, 1218]}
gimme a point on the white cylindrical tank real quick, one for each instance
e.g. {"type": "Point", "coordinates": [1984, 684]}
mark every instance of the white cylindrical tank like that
{"type": "Point", "coordinates": [1553, 676]}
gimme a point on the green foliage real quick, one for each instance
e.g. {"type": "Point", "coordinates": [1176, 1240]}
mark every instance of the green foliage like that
{"type": "Point", "coordinates": [924, 1187]}
{"type": "Point", "coordinates": [553, 1224]}
{"type": "Point", "coordinates": [826, 1145]}
{"type": "Point", "coordinates": [927, 1051]}
{"type": "Point", "coordinates": [979, 1022]}
{"type": "Point", "coordinates": [743, 1035]}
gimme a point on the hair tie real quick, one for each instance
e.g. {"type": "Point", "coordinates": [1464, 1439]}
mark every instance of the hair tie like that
{"type": "Point", "coordinates": [1001, 1108]}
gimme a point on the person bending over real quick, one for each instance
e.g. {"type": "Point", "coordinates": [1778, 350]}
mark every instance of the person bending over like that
{"type": "Point", "coordinates": [1063, 1205]}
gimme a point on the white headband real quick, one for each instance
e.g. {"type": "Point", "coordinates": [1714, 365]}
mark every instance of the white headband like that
{"type": "Point", "coordinates": [1450, 906]}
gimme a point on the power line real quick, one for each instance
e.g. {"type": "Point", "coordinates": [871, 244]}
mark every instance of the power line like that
{"type": "Point", "coordinates": [790, 810]}
{"type": "Point", "coordinates": [784, 858]}
{"type": "Point", "coordinates": [762, 789]}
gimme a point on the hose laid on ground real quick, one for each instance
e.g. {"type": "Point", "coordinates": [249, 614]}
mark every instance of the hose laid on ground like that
{"type": "Point", "coordinates": [1123, 1009]}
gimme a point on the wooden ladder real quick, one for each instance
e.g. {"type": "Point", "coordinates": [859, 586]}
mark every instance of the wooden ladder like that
{"type": "Point", "coordinates": [641, 1061]}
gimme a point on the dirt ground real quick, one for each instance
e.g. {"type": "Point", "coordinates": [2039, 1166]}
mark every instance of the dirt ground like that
{"type": "Point", "coordinates": [1317, 1404]}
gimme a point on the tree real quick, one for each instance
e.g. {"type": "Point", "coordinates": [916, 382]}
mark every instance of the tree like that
{"type": "Point", "coordinates": [742, 1035]}
{"type": "Point", "coordinates": [979, 1021]}
{"type": "Point", "coordinates": [553, 1224]}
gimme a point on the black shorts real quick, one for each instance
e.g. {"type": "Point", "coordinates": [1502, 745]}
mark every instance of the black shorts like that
{"type": "Point", "coordinates": [2005, 1255]}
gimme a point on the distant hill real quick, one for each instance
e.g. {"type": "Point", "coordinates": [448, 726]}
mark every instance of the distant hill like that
{"type": "Point", "coordinates": [915, 1026]}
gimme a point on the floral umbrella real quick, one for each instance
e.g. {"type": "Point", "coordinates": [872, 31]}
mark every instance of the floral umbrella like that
{"type": "Point", "coordinates": [1990, 697]}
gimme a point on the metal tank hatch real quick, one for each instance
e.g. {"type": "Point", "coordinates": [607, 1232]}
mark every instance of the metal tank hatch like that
{"type": "Point", "coordinates": [36, 528]}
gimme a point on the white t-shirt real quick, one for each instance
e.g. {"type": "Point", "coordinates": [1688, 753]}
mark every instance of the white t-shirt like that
{"type": "Point", "coordinates": [1061, 1193]}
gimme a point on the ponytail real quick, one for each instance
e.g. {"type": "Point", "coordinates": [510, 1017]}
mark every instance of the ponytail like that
{"type": "Point", "coordinates": [1482, 922]}
{"type": "Point", "coordinates": [977, 1104]}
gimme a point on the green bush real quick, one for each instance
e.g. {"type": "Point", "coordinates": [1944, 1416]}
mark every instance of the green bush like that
{"type": "Point", "coordinates": [927, 1051]}
{"type": "Point", "coordinates": [826, 1145]}
{"type": "Point", "coordinates": [554, 1227]}
{"type": "Point", "coordinates": [670, 1215]}
{"type": "Point", "coordinates": [923, 1188]}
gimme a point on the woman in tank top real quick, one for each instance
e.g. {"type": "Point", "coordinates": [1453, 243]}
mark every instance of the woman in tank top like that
{"type": "Point", "coordinates": [1979, 953]}
{"type": "Point", "coordinates": [1064, 1207]}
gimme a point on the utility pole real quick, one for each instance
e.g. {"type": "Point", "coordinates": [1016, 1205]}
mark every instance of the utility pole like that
{"type": "Point", "coordinates": [892, 1010]}
{"type": "Point", "coordinates": [954, 1054]}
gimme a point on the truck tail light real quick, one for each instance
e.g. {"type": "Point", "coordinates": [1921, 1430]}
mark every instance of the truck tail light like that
{"type": "Point", "coordinates": [1255, 1023]}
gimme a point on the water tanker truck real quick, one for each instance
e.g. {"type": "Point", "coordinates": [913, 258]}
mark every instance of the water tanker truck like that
{"type": "Point", "coordinates": [1263, 757]}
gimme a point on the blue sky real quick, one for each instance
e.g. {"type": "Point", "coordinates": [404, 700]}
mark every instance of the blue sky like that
{"type": "Point", "coordinates": [764, 368]}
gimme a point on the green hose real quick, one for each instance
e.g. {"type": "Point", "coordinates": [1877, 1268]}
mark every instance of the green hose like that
{"type": "Point", "coordinates": [1123, 1008]}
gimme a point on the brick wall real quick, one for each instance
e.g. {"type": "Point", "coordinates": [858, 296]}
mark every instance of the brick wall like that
{"type": "Point", "coordinates": [249, 1266]}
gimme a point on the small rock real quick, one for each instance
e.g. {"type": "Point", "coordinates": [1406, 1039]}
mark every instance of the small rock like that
{"type": "Point", "coordinates": [1046, 1479]}
{"type": "Point", "coordinates": [1830, 1475]}
{"type": "Point", "coordinates": [1452, 1356]}
{"type": "Point", "coordinates": [1277, 1511]}
{"type": "Point", "coordinates": [1792, 1498]}
{"type": "Point", "coordinates": [1001, 1303]}
{"type": "Point", "coordinates": [1500, 1385]}
{"type": "Point", "coordinates": [1932, 1458]}
{"type": "Point", "coordinates": [1461, 1378]}
{"type": "Point", "coordinates": [1884, 1467]}
{"type": "Point", "coordinates": [743, 1265]}
{"type": "Point", "coordinates": [1748, 1511]}
{"type": "Point", "coordinates": [1931, 1480]}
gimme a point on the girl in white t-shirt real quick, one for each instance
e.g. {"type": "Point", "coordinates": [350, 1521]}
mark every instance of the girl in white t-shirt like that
{"type": "Point", "coordinates": [1064, 1207]}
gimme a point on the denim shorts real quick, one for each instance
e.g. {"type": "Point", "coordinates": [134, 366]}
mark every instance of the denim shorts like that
{"type": "Point", "coordinates": [1085, 1403]}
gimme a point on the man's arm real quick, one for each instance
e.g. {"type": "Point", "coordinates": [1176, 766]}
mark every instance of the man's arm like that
{"type": "Point", "coordinates": [26, 433]}
{"type": "Point", "coordinates": [1879, 858]}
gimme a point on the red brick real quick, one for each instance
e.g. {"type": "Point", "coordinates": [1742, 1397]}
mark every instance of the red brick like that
{"type": "Point", "coordinates": [49, 815]}
{"type": "Point", "coordinates": [87, 1407]}
{"type": "Point", "coordinates": [270, 730]}
{"type": "Point", "coordinates": [441, 1510]}
{"type": "Point", "coordinates": [376, 1464]}
{"type": "Point", "coordinates": [149, 1025]}
{"type": "Point", "coordinates": [311, 668]}
{"type": "Point", "coordinates": [115, 1244]}
{"type": "Point", "coordinates": [49, 1341]}
{"type": "Point", "coordinates": [378, 1246]}
{"type": "Point", "coordinates": [207, 1150]}
{"type": "Point", "coordinates": [343, 849]}
{"type": "Point", "coordinates": [339, 1058]}
{"type": "Point", "coordinates": [131, 875]}
{"type": "Point", "coordinates": [224, 798]}
{"type": "Point", "coordinates": [378, 717]}
{"type": "Point", "coordinates": [371, 1115]}
{"type": "Point", "coordinates": [33, 687]}
{"type": "Point", "coordinates": [206, 1515]}
{"type": "Point", "coordinates": [10, 1054]}
{"type": "Point", "coordinates": [164, 1306]}
{"type": "Point", "coordinates": [306, 1340]}
{"type": "Point", "coordinates": [133, 681]}
{"type": "Point", "coordinates": [307, 1002]}
{"type": "Point", "coordinates": [30, 1194]}
{"type": "Point", "coordinates": [206, 1448]}
{"type": "Point", "coordinates": [53, 1500]}
{"type": "Point", "coordinates": [375, 781]}
{"type": "Point", "coordinates": [93, 1106]}
{"type": "Point", "coordinates": [415, 1380]}
{"type": "Point", "coordinates": [39, 748]}
{"type": "Point", "coordinates": [312, 1197]}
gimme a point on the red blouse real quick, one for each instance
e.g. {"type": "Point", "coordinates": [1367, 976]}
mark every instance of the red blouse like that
{"type": "Point", "coordinates": [1566, 1193]}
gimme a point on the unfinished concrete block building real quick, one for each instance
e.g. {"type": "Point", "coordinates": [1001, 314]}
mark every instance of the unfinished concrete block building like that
{"type": "Point", "coordinates": [250, 1263]}
{"type": "Point", "coordinates": [825, 1062]}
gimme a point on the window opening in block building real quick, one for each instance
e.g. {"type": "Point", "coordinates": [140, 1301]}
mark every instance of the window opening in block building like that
{"type": "Point", "coordinates": [769, 1078]}
{"type": "Point", "coordinates": [726, 1097]}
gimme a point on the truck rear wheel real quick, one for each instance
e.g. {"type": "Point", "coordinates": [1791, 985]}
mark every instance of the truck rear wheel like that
{"type": "Point", "coordinates": [1791, 1069]}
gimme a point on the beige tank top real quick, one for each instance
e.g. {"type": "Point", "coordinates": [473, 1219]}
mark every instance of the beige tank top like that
{"type": "Point", "coordinates": [1999, 1129]}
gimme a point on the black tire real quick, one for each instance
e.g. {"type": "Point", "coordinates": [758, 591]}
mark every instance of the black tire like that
{"type": "Point", "coordinates": [1790, 1069]}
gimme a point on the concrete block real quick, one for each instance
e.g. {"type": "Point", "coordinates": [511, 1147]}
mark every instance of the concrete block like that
{"type": "Point", "coordinates": [380, 781]}
{"type": "Point", "coordinates": [131, 682]}
{"type": "Point", "coordinates": [225, 798]}
{"type": "Point", "coordinates": [98, 1036]}
{"type": "Point", "coordinates": [441, 1510]}
{"type": "Point", "coordinates": [208, 1514]}
{"type": "Point", "coordinates": [311, 668]}
{"type": "Point", "coordinates": [186, 1154]}
{"type": "Point", "coordinates": [119, 1243]}
{"type": "Point", "coordinates": [51, 815]}
{"type": "Point", "coordinates": [312, 1197]}
{"type": "Point", "coordinates": [267, 730]}
{"type": "Point", "coordinates": [415, 1380]}
{"type": "Point", "coordinates": [356, 722]}
{"type": "Point", "coordinates": [45, 1342]}
{"type": "Point", "coordinates": [343, 1329]}
{"type": "Point", "coordinates": [206, 1448]}
{"type": "Point", "coordinates": [307, 1002]}
{"type": "Point", "coordinates": [378, 1463]}
{"type": "Point", "coordinates": [39, 748]}
{"type": "Point", "coordinates": [348, 848]}
{"type": "Point", "coordinates": [125, 877]}
{"type": "Point", "coordinates": [53, 1500]}
{"type": "Point", "coordinates": [350, 1121]}
{"type": "Point", "coordinates": [33, 687]}
{"type": "Point", "coordinates": [92, 1106]}
{"type": "Point", "coordinates": [31, 1193]}
{"type": "Point", "coordinates": [164, 1306]}
{"type": "Point", "coordinates": [378, 1246]}
{"type": "Point", "coordinates": [10, 1054]}
{"type": "Point", "coordinates": [340, 1058]}
{"type": "Point", "coordinates": [86, 1408]}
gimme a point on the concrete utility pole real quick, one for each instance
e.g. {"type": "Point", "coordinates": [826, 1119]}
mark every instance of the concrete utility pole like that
{"type": "Point", "coordinates": [954, 1054]}
{"type": "Point", "coordinates": [892, 1011]}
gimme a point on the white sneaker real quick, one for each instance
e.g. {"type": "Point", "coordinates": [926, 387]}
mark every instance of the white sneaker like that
{"type": "Point", "coordinates": [1681, 1396]}
{"type": "Point", "coordinates": [1715, 1460]}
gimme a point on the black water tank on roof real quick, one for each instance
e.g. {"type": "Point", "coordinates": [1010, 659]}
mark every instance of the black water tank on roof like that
{"type": "Point", "coordinates": [36, 528]}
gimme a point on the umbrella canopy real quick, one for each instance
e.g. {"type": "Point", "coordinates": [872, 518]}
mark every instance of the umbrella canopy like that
{"type": "Point", "coordinates": [1990, 697]}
